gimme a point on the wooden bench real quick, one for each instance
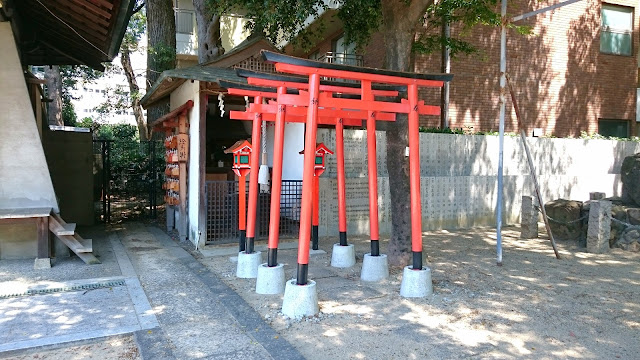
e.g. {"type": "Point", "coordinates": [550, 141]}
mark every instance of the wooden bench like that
{"type": "Point", "coordinates": [48, 222]}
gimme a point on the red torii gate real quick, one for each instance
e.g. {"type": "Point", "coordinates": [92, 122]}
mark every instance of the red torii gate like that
{"type": "Point", "coordinates": [411, 106]}
{"type": "Point", "coordinates": [316, 102]}
{"type": "Point", "coordinates": [280, 113]}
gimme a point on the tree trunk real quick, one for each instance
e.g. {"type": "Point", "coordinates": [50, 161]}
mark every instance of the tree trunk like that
{"type": "Point", "coordinates": [54, 92]}
{"type": "Point", "coordinates": [400, 21]}
{"type": "Point", "coordinates": [208, 24]}
{"type": "Point", "coordinates": [161, 50]}
{"type": "Point", "coordinates": [134, 92]}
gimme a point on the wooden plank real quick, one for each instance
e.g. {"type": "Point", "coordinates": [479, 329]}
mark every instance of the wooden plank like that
{"type": "Point", "coordinates": [182, 124]}
{"type": "Point", "coordinates": [174, 113]}
{"type": "Point", "coordinates": [73, 244]}
{"type": "Point", "coordinates": [44, 241]}
{"type": "Point", "coordinates": [86, 243]}
{"type": "Point", "coordinates": [94, 9]}
{"type": "Point", "coordinates": [83, 18]}
{"type": "Point", "coordinates": [63, 225]}
{"type": "Point", "coordinates": [61, 228]}
{"type": "Point", "coordinates": [103, 3]}
{"type": "Point", "coordinates": [88, 258]}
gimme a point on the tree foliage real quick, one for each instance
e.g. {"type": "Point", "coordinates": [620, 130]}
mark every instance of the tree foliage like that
{"type": "Point", "coordinates": [74, 76]}
{"type": "Point", "coordinates": [277, 19]}
{"type": "Point", "coordinates": [282, 19]}
{"type": "Point", "coordinates": [119, 100]}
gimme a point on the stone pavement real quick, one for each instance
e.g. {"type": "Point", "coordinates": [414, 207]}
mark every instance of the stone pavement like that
{"type": "Point", "coordinates": [147, 285]}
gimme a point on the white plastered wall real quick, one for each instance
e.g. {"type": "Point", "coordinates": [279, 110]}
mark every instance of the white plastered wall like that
{"type": "Point", "coordinates": [24, 175]}
{"type": "Point", "coordinates": [185, 92]}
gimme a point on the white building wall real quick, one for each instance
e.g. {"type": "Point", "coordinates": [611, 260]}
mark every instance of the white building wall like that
{"type": "Point", "coordinates": [24, 175]}
{"type": "Point", "coordinates": [191, 91]}
{"type": "Point", "coordinates": [292, 160]}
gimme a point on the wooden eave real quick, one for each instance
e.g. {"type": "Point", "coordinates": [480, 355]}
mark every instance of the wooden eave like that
{"type": "Point", "coordinates": [68, 32]}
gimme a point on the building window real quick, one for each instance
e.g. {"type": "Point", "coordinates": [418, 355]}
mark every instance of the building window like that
{"type": "Point", "coordinates": [613, 128]}
{"type": "Point", "coordinates": [616, 29]}
{"type": "Point", "coordinates": [315, 55]}
{"type": "Point", "coordinates": [343, 53]}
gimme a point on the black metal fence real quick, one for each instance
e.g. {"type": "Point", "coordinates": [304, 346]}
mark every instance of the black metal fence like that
{"type": "Point", "coordinates": [127, 179]}
{"type": "Point", "coordinates": [222, 211]}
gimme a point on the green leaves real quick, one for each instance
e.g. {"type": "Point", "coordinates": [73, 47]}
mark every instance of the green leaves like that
{"type": "Point", "coordinates": [278, 20]}
{"type": "Point", "coordinates": [361, 19]}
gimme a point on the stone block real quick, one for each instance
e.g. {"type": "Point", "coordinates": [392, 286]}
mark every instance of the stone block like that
{"type": "Point", "coordinates": [528, 219]}
{"type": "Point", "coordinates": [565, 215]}
{"type": "Point", "coordinates": [597, 196]}
{"type": "Point", "coordinates": [42, 263]}
{"type": "Point", "coordinates": [599, 227]}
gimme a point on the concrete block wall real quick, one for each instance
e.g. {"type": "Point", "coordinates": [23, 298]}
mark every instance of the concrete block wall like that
{"type": "Point", "coordinates": [459, 177]}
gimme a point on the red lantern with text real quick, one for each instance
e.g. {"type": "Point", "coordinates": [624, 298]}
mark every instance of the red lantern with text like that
{"type": "Point", "coordinates": [241, 151]}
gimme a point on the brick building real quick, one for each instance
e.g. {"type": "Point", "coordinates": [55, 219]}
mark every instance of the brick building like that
{"type": "Point", "coordinates": [577, 72]}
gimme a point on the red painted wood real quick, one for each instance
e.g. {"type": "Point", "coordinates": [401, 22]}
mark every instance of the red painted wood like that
{"type": "Point", "coordinates": [348, 75]}
{"type": "Point", "coordinates": [316, 200]}
{"type": "Point", "coordinates": [414, 170]}
{"type": "Point", "coordinates": [272, 108]}
{"type": "Point", "coordinates": [253, 176]}
{"type": "Point", "coordinates": [329, 88]}
{"type": "Point", "coordinates": [372, 164]}
{"type": "Point", "coordinates": [342, 197]}
{"type": "Point", "coordinates": [307, 175]}
{"type": "Point", "coordinates": [242, 202]}
{"type": "Point", "coordinates": [276, 180]}
{"type": "Point", "coordinates": [322, 120]}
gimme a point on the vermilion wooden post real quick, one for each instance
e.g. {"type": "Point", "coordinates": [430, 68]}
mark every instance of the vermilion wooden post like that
{"type": "Point", "coordinates": [315, 222]}
{"type": "Point", "coordinates": [276, 184]}
{"type": "Point", "coordinates": [242, 208]}
{"type": "Point", "coordinates": [342, 201]}
{"type": "Point", "coordinates": [307, 179]}
{"type": "Point", "coordinates": [372, 170]}
{"type": "Point", "coordinates": [414, 176]}
{"type": "Point", "coordinates": [253, 176]}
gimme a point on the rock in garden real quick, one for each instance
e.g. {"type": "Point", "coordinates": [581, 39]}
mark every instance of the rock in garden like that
{"type": "Point", "coordinates": [618, 212]}
{"type": "Point", "coordinates": [630, 176]}
{"type": "Point", "coordinates": [631, 236]}
{"type": "Point", "coordinates": [633, 214]}
{"type": "Point", "coordinates": [565, 215]}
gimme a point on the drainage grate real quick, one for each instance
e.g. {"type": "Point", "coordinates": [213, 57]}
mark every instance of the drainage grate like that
{"type": "Point", "coordinates": [83, 287]}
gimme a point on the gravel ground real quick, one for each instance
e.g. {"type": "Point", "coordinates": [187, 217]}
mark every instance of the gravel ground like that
{"type": "Point", "coordinates": [584, 306]}
{"type": "Point", "coordinates": [114, 348]}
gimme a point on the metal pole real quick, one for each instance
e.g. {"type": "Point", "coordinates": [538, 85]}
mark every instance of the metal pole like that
{"type": "Point", "coordinates": [503, 70]}
{"type": "Point", "coordinates": [531, 167]}
{"type": "Point", "coordinates": [103, 147]}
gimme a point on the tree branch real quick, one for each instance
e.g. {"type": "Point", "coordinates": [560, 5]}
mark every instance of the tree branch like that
{"type": "Point", "coordinates": [140, 6]}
